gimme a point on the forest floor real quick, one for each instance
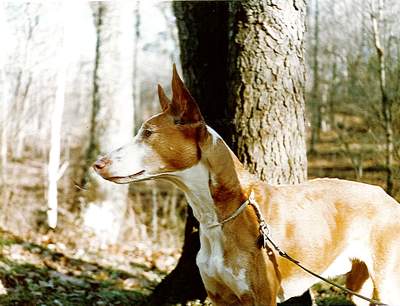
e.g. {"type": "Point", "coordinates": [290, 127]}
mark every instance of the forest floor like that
{"type": "Point", "coordinates": [41, 274]}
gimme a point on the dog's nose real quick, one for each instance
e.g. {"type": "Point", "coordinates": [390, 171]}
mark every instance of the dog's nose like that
{"type": "Point", "coordinates": [101, 163]}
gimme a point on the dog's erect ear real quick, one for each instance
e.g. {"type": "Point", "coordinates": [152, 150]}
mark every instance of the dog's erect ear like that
{"type": "Point", "coordinates": [164, 101]}
{"type": "Point", "coordinates": [183, 106]}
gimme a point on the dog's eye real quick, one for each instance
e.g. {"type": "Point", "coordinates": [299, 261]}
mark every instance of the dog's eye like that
{"type": "Point", "coordinates": [147, 133]}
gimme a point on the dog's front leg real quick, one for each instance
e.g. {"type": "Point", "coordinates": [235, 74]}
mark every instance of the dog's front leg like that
{"type": "Point", "coordinates": [264, 282]}
{"type": "Point", "coordinates": [253, 300]}
{"type": "Point", "coordinates": [225, 300]}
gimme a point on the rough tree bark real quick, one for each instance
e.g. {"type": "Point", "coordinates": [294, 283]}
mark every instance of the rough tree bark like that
{"type": "Point", "coordinates": [112, 113]}
{"type": "Point", "coordinates": [267, 74]}
{"type": "Point", "coordinates": [268, 134]}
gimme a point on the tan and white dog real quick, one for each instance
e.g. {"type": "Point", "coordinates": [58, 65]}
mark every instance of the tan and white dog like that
{"type": "Point", "coordinates": [331, 226]}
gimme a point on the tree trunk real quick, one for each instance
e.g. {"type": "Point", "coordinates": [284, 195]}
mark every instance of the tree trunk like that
{"type": "Point", "coordinates": [204, 59]}
{"type": "Point", "coordinates": [204, 47]}
{"type": "Point", "coordinates": [332, 94]}
{"type": "Point", "coordinates": [386, 105]}
{"type": "Point", "coordinates": [5, 101]}
{"type": "Point", "coordinates": [316, 105]}
{"type": "Point", "coordinates": [136, 78]}
{"type": "Point", "coordinates": [23, 86]}
{"type": "Point", "coordinates": [266, 100]}
{"type": "Point", "coordinates": [267, 75]}
{"type": "Point", "coordinates": [55, 138]}
{"type": "Point", "coordinates": [112, 113]}
{"type": "Point", "coordinates": [271, 146]}
{"type": "Point", "coordinates": [5, 97]}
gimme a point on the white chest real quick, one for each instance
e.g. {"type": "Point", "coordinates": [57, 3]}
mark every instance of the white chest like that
{"type": "Point", "coordinates": [211, 259]}
{"type": "Point", "coordinates": [214, 270]}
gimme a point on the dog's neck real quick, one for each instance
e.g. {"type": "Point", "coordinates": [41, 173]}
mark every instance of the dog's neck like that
{"type": "Point", "coordinates": [194, 183]}
{"type": "Point", "coordinates": [217, 185]}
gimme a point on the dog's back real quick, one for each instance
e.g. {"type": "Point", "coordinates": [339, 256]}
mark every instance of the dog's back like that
{"type": "Point", "coordinates": [328, 223]}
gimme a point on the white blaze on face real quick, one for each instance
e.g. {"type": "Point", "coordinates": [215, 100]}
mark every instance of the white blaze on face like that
{"type": "Point", "coordinates": [129, 159]}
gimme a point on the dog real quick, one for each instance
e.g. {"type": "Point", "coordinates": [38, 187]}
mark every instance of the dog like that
{"type": "Point", "coordinates": [331, 226]}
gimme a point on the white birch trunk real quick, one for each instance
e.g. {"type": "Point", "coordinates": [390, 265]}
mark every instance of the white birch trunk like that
{"type": "Point", "coordinates": [53, 169]}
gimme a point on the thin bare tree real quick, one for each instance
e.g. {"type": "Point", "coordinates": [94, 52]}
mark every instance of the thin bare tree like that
{"type": "Point", "coordinates": [316, 107]}
{"type": "Point", "coordinates": [136, 58]}
{"type": "Point", "coordinates": [53, 169]}
{"type": "Point", "coordinates": [4, 96]}
{"type": "Point", "coordinates": [376, 10]}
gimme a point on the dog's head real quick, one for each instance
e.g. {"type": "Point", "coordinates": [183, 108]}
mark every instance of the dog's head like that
{"type": "Point", "coordinates": [166, 143]}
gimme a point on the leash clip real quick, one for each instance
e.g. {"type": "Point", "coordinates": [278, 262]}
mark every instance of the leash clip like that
{"type": "Point", "coordinates": [264, 232]}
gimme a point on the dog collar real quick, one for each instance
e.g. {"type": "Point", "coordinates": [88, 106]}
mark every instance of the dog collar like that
{"type": "Point", "coordinates": [250, 201]}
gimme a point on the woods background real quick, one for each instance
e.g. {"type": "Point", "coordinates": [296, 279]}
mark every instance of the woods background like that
{"type": "Point", "coordinates": [77, 79]}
